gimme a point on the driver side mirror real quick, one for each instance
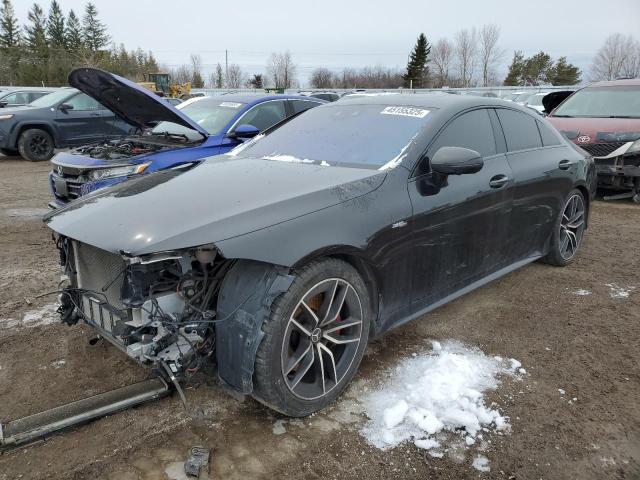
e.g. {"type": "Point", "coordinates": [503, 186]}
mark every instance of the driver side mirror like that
{"type": "Point", "coordinates": [3, 104]}
{"type": "Point", "coordinates": [244, 130]}
{"type": "Point", "coordinates": [456, 161]}
{"type": "Point", "coordinates": [65, 107]}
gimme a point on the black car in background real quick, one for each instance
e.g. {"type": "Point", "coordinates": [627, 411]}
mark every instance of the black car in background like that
{"type": "Point", "coordinates": [63, 118]}
{"type": "Point", "coordinates": [284, 256]}
{"type": "Point", "coordinates": [21, 96]}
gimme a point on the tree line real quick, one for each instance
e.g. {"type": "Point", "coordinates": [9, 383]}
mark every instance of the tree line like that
{"type": "Point", "coordinates": [43, 51]}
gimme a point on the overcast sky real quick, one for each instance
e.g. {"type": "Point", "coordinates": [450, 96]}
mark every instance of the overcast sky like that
{"type": "Point", "coordinates": [338, 34]}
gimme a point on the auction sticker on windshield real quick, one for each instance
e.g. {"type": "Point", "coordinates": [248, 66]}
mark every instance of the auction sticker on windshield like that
{"type": "Point", "coordinates": [405, 111]}
{"type": "Point", "coordinates": [231, 104]}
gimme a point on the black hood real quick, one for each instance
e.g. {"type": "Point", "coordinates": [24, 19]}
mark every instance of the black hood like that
{"type": "Point", "coordinates": [131, 102]}
{"type": "Point", "coordinates": [221, 198]}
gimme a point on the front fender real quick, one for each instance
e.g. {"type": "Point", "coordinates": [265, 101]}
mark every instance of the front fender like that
{"type": "Point", "coordinates": [244, 304]}
{"type": "Point", "coordinates": [20, 126]}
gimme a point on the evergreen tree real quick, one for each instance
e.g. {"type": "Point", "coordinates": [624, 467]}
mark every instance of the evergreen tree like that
{"type": "Point", "coordinates": [564, 73]}
{"type": "Point", "coordinates": [514, 76]}
{"type": "Point", "coordinates": [417, 70]}
{"type": "Point", "coordinates": [9, 28]}
{"type": "Point", "coordinates": [36, 32]}
{"type": "Point", "coordinates": [73, 34]}
{"type": "Point", "coordinates": [94, 32]}
{"type": "Point", "coordinates": [219, 77]}
{"type": "Point", "coordinates": [56, 33]}
{"type": "Point", "coordinates": [256, 81]}
{"type": "Point", "coordinates": [537, 69]}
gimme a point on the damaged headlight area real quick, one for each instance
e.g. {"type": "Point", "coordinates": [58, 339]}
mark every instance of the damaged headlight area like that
{"type": "Point", "coordinates": [158, 308]}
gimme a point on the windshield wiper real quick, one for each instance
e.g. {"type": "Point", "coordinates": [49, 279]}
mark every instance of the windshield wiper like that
{"type": "Point", "coordinates": [622, 116]}
{"type": "Point", "coordinates": [562, 116]}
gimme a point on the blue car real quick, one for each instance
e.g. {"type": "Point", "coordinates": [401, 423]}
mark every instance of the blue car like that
{"type": "Point", "coordinates": [165, 136]}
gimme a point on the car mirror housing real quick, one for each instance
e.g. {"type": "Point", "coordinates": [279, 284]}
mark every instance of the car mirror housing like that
{"type": "Point", "coordinates": [244, 131]}
{"type": "Point", "coordinates": [3, 104]}
{"type": "Point", "coordinates": [456, 161]}
{"type": "Point", "coordinates": [65, 107]}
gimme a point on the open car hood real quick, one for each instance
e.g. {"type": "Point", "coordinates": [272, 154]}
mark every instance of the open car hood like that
{"type": "Point", "coordinates": [131, 102]}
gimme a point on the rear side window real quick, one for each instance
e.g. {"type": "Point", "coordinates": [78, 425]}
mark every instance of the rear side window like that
{"type": "Point", "coordinates": [520, 130]}
{"type": "Point", "coordinates": [470, 130]}
{"type": "Point", "coordinates": [302, 105]}
{"type": "Point", "coordinates": [549, 137]}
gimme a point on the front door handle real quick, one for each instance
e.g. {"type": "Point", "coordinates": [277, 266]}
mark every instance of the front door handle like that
{"type": "Point", "coordinates": [498, 181]}
{"type": "Point", "coordinates": [565, 164]}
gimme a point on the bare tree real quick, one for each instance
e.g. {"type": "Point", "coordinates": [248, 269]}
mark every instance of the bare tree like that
{"type": "Point", "coordinates": [281, 70]}
{"type": "Point", "coordinates": [441, 58]}
{"type": "Point", "coordinates": [322, 78]}
{"type": "Point", "coordinates": [465, 50]}
{"type": "Point", "coordinates": [490, 53]}
{"type": "Point", "coordinates": [196, 71]}
{"type": "Point", "coordinates": [235, 76]}
{"type": "Point", "coordinates": [618, 56]}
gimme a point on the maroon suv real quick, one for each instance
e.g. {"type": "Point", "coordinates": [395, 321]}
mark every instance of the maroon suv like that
{"type": "Point", "coordinates": [604, 119]}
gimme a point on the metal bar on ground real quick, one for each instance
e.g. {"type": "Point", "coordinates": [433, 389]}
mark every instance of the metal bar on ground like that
{"type": "Point", "coordinates": [33, 427]}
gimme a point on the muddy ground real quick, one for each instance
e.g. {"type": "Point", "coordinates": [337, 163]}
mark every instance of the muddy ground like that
{"type": "Point", "coordinates": [587, 345]}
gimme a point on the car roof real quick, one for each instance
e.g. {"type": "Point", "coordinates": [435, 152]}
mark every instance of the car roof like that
{"type": "Point", "coordinates": [634, 82]}
{"type": "Point", "coordinates": [433, 100]}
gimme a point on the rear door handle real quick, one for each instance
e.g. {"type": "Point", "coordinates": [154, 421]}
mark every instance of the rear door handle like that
{"type": "Point", "coordinates": [565, 164]}
{"type": "Point", "coordinates": [498, 181]}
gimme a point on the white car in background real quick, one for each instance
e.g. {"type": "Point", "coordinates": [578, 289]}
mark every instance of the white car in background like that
{"type": "Point", "coordinates": [535, 102]}
{"type": "Point", "coordinates": [511, 96]}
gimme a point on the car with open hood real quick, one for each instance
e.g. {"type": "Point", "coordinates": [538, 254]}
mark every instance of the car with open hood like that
{"type": "Point", "coordinates": [283, 257]}
{"type": "Point", "coordinates": [165, 136]}
{"type": "Point", "coordinates": [603, 118]}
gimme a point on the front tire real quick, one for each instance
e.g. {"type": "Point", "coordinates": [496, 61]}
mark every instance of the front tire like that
{"type": "Point", "coordinates": [35, 145]}
{"type": "Point", "coordinates": [568, 230]}
{"type": "Point", "coordinates": [314, 339]}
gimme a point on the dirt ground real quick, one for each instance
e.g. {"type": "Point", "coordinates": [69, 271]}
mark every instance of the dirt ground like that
{"type": "Point", "coordinates": [587, 345]}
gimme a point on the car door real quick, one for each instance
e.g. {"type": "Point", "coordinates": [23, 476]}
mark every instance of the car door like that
{"type": "Point", "coordinates": [79, 120]}
{"type": "Point", "coordinates": [460, 222]}
{"type": "Point", "coordinates": [261, 116]}
{"type": "Point", "coordinates": [543, 178]}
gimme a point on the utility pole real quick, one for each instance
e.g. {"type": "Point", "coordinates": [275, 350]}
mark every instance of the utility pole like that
{"type": "Point", "coordinates": [226, 69]}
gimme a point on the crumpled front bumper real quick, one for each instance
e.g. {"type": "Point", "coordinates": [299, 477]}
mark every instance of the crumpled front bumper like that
{"type": "Point", "coordinates": [619, 170]}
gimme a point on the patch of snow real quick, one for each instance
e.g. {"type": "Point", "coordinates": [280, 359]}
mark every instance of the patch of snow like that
{"type": "Point", "coordinates": [442, 390]}
{"type": "Point", "coordinates": [279, 428]}
{"type": "Point", "coordinates": [561, 391]}
{"type": "Point", "coordinates": [236, 151]}
{"type": "Point", "coordinates": [33, 318]}
{"type": "Point", "coordinates": [582, 292]}
{"type": "Point", "coordinates": [287, 158]}
{"type": "Point", "coordinates": [522, 371]}
{"type": "Point", "coordinates": [616, 291]}
{"type": "Point", "coordinates": [58, 363]}
{"type": "Point", "coordinates": [324, 164]}
{"type": "Point", "coordinates": [394, 162]}
{"type": "Point", "coordinates": [481, 463]}
{"type": "Point", "coordinates": [175, 471]}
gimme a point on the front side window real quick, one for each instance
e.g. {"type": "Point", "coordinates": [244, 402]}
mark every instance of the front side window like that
{"type": "Point", "coordinates": [520, 130]}
{"type": "Point", "coordinates": [264, 115]}
{"type": "Point", "coordinates": [82, 103]}
{"type": "Point", "coordinates": [470, 130]}
{"type": "Point", "coordinates": [348, 134]}
{"type": "Point", "coordinates": [622, 101]}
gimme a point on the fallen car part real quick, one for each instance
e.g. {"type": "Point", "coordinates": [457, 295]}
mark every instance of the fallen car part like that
{"type": "Point", "coordinates": [197, 462]}
{"type": "Point", "coordinates": [39, 425]}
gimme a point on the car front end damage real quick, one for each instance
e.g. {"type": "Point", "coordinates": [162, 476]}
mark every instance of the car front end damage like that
{"type": "Point", "coordinates": [618, 167]}
{"type": "Point", "coordinates": [158, 309]}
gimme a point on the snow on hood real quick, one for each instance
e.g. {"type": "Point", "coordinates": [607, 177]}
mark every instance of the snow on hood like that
{"type": "Point", "coordinates": [134, 104]}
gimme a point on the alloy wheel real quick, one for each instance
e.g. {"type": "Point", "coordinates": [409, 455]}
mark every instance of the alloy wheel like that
{"type": "Point", "coordinates": [571, 226]}
{"type": "Point", "coordinates": [321, 339]}
{"type": "Point", "coordinates": [39, 145]}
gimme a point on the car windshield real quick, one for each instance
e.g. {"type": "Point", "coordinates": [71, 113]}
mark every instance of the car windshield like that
{"type": "Point", "coordinates": [52, 99]}
{"type": "Point", "coordinates": [622, 101]}
{"type": "Point", "coordinates": [372, 135]}
{"type": "Point", "coordinates": [212, 114]}
{"type": "Point", "coordinates": [535, 100]}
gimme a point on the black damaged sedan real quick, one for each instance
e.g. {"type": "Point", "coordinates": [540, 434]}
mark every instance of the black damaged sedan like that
{"type": "Point", "coordinates": [280, 260]}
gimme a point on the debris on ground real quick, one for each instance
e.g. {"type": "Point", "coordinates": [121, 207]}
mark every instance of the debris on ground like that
{"type": "Point", "coordinates": [198, 462]}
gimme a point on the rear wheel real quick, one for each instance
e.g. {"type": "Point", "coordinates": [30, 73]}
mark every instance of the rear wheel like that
{"type": "Point", "coordinates": [35, 145]}
{"type": "Point", "coordinates": [568, 231]}
{"type": "Point", "coordinates": [314, 339]}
